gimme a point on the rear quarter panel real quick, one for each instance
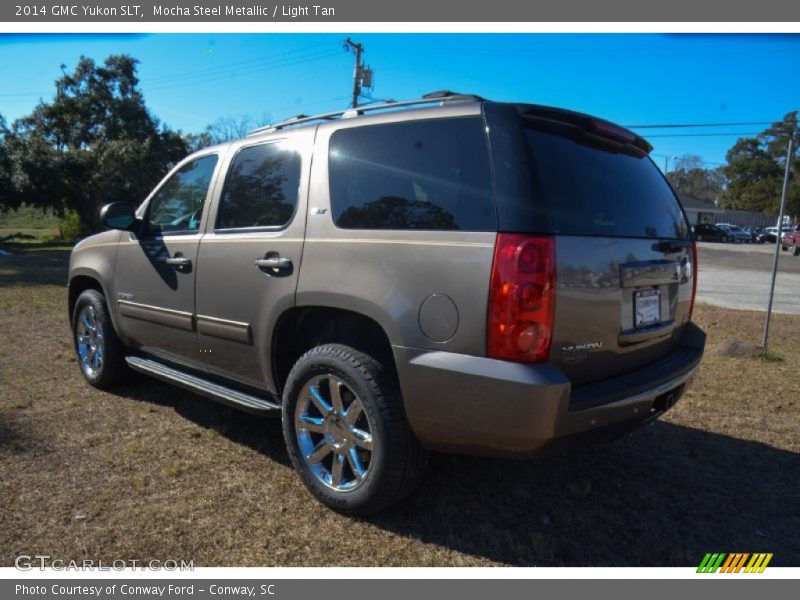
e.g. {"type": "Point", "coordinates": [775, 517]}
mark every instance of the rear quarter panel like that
{"type": "Point", "coordinates": [387, 275]}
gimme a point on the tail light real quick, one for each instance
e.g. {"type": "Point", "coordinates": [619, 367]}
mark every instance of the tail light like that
{"type": "Point", "coordinates": [522, 298]}
{"type": "Point", "coordinates": [694, 278]}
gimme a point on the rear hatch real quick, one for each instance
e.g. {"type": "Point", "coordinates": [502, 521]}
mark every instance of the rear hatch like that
{"type": "Point", "coordinates": [624, 258]}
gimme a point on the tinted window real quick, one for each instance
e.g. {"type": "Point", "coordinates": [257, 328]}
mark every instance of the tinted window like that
{"type": "Point", "coordinates": [178, 204]}
{"type": "Point", "coordinates": [596, 190]}
{"type": "Point", "coordinates": [414, 175]}
{"type": "Point", "coordinates": [261, 188]}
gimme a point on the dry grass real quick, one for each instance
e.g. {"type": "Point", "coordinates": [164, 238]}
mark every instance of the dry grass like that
{"type": "Point", "coordinates": [153, 472]}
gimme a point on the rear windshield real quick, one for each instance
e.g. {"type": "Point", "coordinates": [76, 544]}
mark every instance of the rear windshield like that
{"type": "Point", "coordinates": [596, 190]}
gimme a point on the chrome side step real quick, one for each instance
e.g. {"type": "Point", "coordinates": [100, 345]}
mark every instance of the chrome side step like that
{"type": "Point", "coordinates": [193, 383]}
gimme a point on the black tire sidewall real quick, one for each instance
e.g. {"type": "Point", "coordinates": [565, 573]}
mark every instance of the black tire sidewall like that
{"type": "Point", "coordinates": [110, 371]}
{"type": "Point", "coordinates": [322, 364]}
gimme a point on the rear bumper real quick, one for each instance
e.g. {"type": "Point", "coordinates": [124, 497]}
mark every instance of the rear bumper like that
{"type": "Point", "coordinates": [474, 405]}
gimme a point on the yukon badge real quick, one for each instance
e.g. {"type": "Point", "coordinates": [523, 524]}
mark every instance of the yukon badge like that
{"type": "Point", "coordinates": [587, 347]}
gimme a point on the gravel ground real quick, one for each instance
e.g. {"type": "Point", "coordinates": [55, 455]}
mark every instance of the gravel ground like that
{"type": "Point", "coordinates": [738, 276]}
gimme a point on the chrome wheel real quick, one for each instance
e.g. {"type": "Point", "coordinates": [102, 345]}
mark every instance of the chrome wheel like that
{"type": "Point", "coordinates": [334, 433]}
{"type": "Point", "coordinates": [89, 341]}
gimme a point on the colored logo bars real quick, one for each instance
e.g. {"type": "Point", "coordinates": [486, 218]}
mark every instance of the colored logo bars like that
{"type": "Point", "coordinates": [734, 562]}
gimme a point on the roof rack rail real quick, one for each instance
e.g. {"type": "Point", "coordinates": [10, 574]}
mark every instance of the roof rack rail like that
{"type": "Point", "coordinates": [432, 98]}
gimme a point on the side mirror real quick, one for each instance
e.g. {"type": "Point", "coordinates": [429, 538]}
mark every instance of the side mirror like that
{"type": "Point", "coordinates": [118, 215]}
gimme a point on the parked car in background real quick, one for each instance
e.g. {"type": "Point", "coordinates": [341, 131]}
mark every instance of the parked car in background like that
{"type": "Point", "coordinates": [791, 239]}
{"type": "Point", "coordinates": [706, 232]}
{"type": "Point", "coordinates": [736, 234]}
{"type": "Point", "coordinates": [756, 234]}
{"type": "Point", "coordinates": [770, 234]}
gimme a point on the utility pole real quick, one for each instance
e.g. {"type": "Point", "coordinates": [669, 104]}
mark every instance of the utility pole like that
{"type": "Point", "coordinates": [786, 175]}
{"type": "Point", "coordinates": [358, 72]}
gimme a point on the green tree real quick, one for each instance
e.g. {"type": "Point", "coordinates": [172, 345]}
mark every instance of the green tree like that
{"type": "Point", "coordinates": [229, 128]}
{"type": "Point", "coordinates": [196, 141]}
{"type": "Point", "coordinates": [95, 142]}
{"type": "Point", "coordinates": [756, 168]}
{"type": "Point", "coordinates": [689, 177]}
{"type": "Point", "coordinates": [7, 198]}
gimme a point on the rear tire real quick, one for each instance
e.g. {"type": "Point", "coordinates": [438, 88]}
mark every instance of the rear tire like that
{"type": "Point", "coordinates": [100, 354]}
{"type": "Point", "coordinates": [784, 248]}
{"type": "Point", "coordinates": [796, 251]}
{"type": "Point", "coordinates": [352, 448]}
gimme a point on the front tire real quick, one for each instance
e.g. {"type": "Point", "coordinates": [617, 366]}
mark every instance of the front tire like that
{"type": "Point", "coordinates": [99, 352]}
{"type": "Point", "coordinates": [796, 251]}
{"type": "Point", "coordinates": [346, 432]}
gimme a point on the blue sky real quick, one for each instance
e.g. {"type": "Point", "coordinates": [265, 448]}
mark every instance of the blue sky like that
{"type": "Point", "coordinates": [189, 80]}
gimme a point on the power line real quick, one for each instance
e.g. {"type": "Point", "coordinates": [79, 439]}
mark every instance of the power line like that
{"type": "Point", "coordinates": [221, 72]}
{"type": "Point", "coordinates": [684, 125]}
{"type": "Point", "coordinates": [669, 135]}
{"type": "Point", "coordinates": [20, 94]}
{"type": "Point", "coordinates": [705, 162]}
{"type": "Point", "coordinates": [240, 72]}
{"type": "Point", "coordinates": [230, 73]}
{"type": "Point", "coordinates": [235, 65]}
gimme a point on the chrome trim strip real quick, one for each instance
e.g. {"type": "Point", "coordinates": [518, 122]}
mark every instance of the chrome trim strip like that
{"type": "Point", "coordinates": [643, 273]}
{"type": "Point", "coordinates": [393, 241]}
{"type": "Point", "coordinates": [157, 314]}
{"type": "Point", "coordinates": [236, 331]}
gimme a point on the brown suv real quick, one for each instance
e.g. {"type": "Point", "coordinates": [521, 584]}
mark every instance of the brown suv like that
{"type": "Point", "coordinates": [447, 273]}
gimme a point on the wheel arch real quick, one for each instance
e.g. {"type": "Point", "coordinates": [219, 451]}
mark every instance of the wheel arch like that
{"type": "Point", "coordinates": [81, 280]}
{"type": "Point", "coordinates": [302, 328]}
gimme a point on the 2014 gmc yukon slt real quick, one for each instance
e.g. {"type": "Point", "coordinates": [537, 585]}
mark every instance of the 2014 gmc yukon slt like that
{"type": "Point", "coordinates": [447, 273]}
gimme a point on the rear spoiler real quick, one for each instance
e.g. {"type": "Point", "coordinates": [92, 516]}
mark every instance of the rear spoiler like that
{"type": "Point", "coordinates": [591, 126]}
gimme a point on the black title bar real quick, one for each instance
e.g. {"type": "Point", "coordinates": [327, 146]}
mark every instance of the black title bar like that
{"type": "Point", "coordinates": [467, 11]}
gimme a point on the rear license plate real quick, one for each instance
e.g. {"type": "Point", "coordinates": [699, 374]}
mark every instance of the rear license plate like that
{"type": "Point", "coordinates": [646, 307]}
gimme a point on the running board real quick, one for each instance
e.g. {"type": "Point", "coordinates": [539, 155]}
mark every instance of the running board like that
{"type": "Point", "coordinates": [193, 383]}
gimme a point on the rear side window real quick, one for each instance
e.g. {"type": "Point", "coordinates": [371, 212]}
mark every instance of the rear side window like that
{"type": "Point", "coordinates": [430, 175]}
{"type": "Point", "coordinates": [261, 187]}
{"type": "Point", "coordinates": [595, 190]}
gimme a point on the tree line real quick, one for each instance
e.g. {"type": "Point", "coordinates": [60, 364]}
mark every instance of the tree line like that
{"type": "Point", "coordinates": [752, 178]}
{"type": "Point", "coordinates": [96, 142]}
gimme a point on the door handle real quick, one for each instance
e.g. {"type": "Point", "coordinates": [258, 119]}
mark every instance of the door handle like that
{"type": "Point", "coordinates": [180, 263]}
{"type": "Point", "coordinates": [273, 262]}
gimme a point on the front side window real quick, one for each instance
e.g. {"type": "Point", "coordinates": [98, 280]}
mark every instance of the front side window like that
{"type": "Point", "coordinates": [430, 175]}
{"type": "Point", "coordinates": [178, 205]}
{"type": "Point", "coordinates": [261, 188]}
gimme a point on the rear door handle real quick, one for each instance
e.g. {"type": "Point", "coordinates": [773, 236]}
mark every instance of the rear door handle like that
{"type": "Point", "coordinates": [274, 262]}
{"type": "Point", "coordinates": [671, 246]}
